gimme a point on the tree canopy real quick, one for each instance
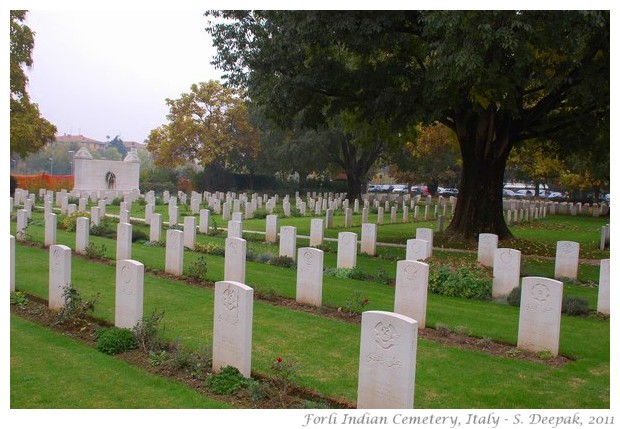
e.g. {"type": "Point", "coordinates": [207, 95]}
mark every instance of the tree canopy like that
{"type": "Point", "coordinates": [496, 78]}
{"type": "Point", "coordinates": [29, 130]}
{"type": "Point", "coordinates": [206, 125]}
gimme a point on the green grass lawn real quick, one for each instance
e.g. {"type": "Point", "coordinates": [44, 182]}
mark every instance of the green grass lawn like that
{"type": "Point", "coordinates": [327, 350]}
{"type": "Point", "coordinates": [49, 370]}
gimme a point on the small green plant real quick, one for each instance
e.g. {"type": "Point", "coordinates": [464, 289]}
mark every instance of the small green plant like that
{"type": "Point", "coordinates": [544, 355]}
{"type": "Point", "coordinates": [75, 308]}
{"type": "Point", "coordinates": [104, 229]}
{"type": "Point", "coordinates": [158, 358]}
{"type": "Point", "coordinates": [463, 282]}
{"type": "Point", "coordinates": [95, 251]}
{"type": "Point", "coordinates": [442, 329]}
{"type": "Point", "coordinates": [513, 352]}
{"type": "Point", "coordinates": [260, 214]}
{"type": "Point", "coordinates": [355, 303]}
{"type": "Point", "coordinates": [210, 249]}
{"type": "Point", "coordinates": [68, 222]}
{"type": "Point", "coordinates": [213, 230]}
{"type": "Point", "coordinates": [198, 269]}
{"type": "Point", "coordinates": [382, 276]}
{"type": "Point", "coordinates": [285, 373]}
{"type": "Point", "coordinates": [282, 261]}
{"type": "Point", "coordinates": [115, 340]}
{"type": "Point", "coordinates": [194, 363]}
{"type": "Point", "coordinates": [147, 332]}
{"type": "Point", "coordinates": [138, 235]}
{"type": "Point", "coordinates": [264, 258]}
{"type": "Point", "coordinates": [226, 382]}
{"type": "Point", "coordinates": [574, 306]}
{"type": "Point", "coordinates": [514, 297]}
{"type": "Point", "coordinates": [19, 299]}
{"type": "Point", "coordinates": [461, 330]}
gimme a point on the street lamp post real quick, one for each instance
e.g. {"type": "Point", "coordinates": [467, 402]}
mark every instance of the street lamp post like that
{"type": "Point", "coordinates": [51, 166]}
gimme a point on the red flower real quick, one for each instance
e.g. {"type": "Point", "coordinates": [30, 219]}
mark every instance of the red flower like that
{"type": "Point", "coordinates": [365, 300]}
{"type": "Point", "coordinates": [279, 359]}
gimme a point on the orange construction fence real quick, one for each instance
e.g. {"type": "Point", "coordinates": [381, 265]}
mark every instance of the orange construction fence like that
{"type": "Point", "coordinates": [34, 182]}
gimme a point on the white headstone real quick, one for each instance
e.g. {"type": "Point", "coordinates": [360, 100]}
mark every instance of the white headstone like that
{"type": "Point", "coordinates": [155, 228]}
{"type": "Point", "coordinates": [271, 229]}
{"type": "Point", "coordinates": [411, 290]}
{"type": "Point", "coordinates": [309, 276]}
{"type": "Point", "coordinates": [348, 217]}
{"type": "Point", "coordinates": [427, 235]}
{"type": "Point", "coordinates": [235, 229]}
{"type": "Point", "coordinates": [540, 315]}
{"type": "Point", "coordinates": [329, 218]}
{"type": "Point", "coordinates": [129, 293]}
{"type": "Point", "coordinates": [234, 260]}
{"type": "Point", "coordinates": [347, 250]}
{"type": "Point", "coordinates": [487, 244]}
{"type": "Point", "coordinates": [566, 260]}
{"type": "Point", "coordinates": [59, 275]}
{"type": "Point", "coordinates": [602, 305]}
{"type": "Point", "coordinates": [316, 232]}
{"type": "Point", "coordinates": [95, 215]}
{"type": "Point", "coordinates": [417, 249]}
{"type": "Point", "coordinates": [232, 326]}
{"type": "Point", "coordinates": [174, 252]}
{"type": "Point", "coordinates": [388, 348]}
{"type": "Point", "coordinates": [82, 230]}
{"type": "Point", "coordinates": [51, 221]}
{"type": "Point", "coordinates": [205, 214]}
{"type": "Point", "coordinates": [22, 224]}
{"type": "Point", "coordinates": [189, 232]}
{"type": "Point", "coordinates": [288, 241]}
{"type": "Point", "coordinates": [369, 239]}
{"type": "Point", "coordinates": [123, 241]}
{"type": "Point", "coordinates": [506, 271]}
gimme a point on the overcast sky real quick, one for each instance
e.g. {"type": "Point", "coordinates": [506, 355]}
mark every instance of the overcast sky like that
{"type": "Point", "coordinates": [103, 73]}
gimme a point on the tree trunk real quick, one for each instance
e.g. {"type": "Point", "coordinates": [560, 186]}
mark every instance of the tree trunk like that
{"type": "Point", "coordinates": [354, 186]}
{"type": "Point", "coordinates": [485, 147]}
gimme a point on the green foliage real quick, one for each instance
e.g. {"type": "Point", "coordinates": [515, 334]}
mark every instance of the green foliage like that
{"type": "Point", "coordinates": [227, 381]}
{"type": "Point", "coordinates": [20, 299]}
{"type": "Point", "coordinates": [514, 297]}
{"type": "Point", "coordinates": [147, 332]}
{"type": "Point", "coordinates": [193, 363]}
{"type": "Point", "coordinates": [347, 273]}
{"type": "Point", "coordinates": [462, 282]}
{"type": "Point", "coordinates": [210, 249]}
{"type": "Point", "coordinates": [198, 269]}
{"type": "Point", "coordinates": [138, 235]}
{"type": "Point", "coordinates": [575, 306]}
{"type": "Point", "coordinates": [282, 261]}
{"type": "Point", "coordinates": [355, 303]}
{"type": "Point", "coordinates": [285, 374]}
{"type": "Point", "coordinates": [115, 340]}
{"type": "Point", "coordinates": [104, 229]}
{"type": "Point", "coordinates": [260, 214]}
{"type": "Point", "coordinates": [68, 222]}
{"type": "Point", "coordinates": [75, 308]}
{"type": "Point", "coordinates": [95, 251]}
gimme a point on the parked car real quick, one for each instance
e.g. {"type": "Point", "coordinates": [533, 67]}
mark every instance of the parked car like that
{"type": "Point", "coordinates": [527, 193]}
{"type": "Point", "coordinates": [555, 196]}
{"type": "Point", "coordinates": [447, 192]}
{"type": "Point", "coordinates": [400, 189]}
{"type": "Point", "coordinates": [509, 193]}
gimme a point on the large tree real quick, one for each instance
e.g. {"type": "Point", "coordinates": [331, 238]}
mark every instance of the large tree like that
{"type": "Point", "coordinates": [207, 125]}
{"type": "Point", "coordinates": [29, 130]}
{"type": "Point", "coordinates": [496, 78]}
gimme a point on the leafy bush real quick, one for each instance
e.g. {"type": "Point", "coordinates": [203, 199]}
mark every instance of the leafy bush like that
{"type": "Point", "coordinates": [227, 381]}
{"type": "Point", "coordinates": [348, 273]}
{"type": "Point", "coordinates": [260, 214]}
{"type": "Point", "coordinates": [282, 261]}
{"type": "Point", "coordinates": [464, 282]}
{"type": "Point", "coordinates": [94, 251]}
{"type": "Point", "coordinates": [210, 249]}
{"type": "Point", "coordinates": [115, 340]}
{"type": "Point", "coordinates": [19, 299]}
{"type": "Point", "coordinates": [138, 235]}
{"type": "Point", "coordinates": [146, 332]}
{"type": "Point", "coordinates": [194, 363]}
{"type": "Point", "coordinates": [574, 306]}
{"type": "Point", "coordinates": [514, 297]}
{"type": "Point", "coordinates": [68, 222]}
{"type": "Point", "coordinates": [264, 258]}
{"type": "Point", "coordinates": [75, 308]}
{"type": "Point", "coordinates": [104, 229]}
{"type": "Point", "coordinates": [198, 269]}
{"type": "Point", "coordinates": [355, 303]}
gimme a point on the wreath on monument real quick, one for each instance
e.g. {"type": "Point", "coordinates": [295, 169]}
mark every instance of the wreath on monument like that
{"type": "Point", "coordinates": [110, 179]}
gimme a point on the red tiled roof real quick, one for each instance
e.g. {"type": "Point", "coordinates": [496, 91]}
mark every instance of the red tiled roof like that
{"type": "Point", "coordinates": [78, 138]}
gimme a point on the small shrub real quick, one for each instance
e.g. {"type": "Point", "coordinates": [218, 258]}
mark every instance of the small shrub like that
{"type": "Point", "coordinates": [356, 303]}
{"type": "Point", "coordinates": [513, 352]}
{"type": "Point", "coordinates": [19, 299]}
{"type": "Point", "coordinates": [198, 269]}
{"type": "Point", "coordinates": [382, 276]}
{"type": "Point", "coordinates": [461, 330]}
{"type": "Point", "coordinates": [285, 373]}
{"type": "Point", "coordinates": [104, 229]}
{"type": "Point", "coordinates": [574, 306]}
{"type": "Point", "coordinates": [75, 308]}
{"type": "Point", "coordinates": [282, 261]}
{"type": "Point", "coordinates": [155, 243]}
{"type": "Point", "coordinates": [68, 222]}
{"type": "Point", "coordinates": [147, 332]}
{"type": "Point", "coordinates": [544, 355]}
{"type": "Point", "coordinates": [115, 340]}
{"type": "Point", "coordinates": [226, 382]}
{"type": "Point", "coordinates": [464, 282]}
{"type": "Point", "coordinates": [442, 329]}
{"type": "Point", "coordinates": [194, 363]}
{"type": "Point", "coordinates": [158, 358]}
{"type": "Point", "coordinates": [264, 258]}
{"type": "Point", "coordinates": [514, 297]}
{"type": "Point", "coordinates": [260, 214]}
{"type": "Point", "coordinates": [95, 251]}
{"type": "Point", "coordinates": [210, 249]}
{"type": "Point", "coordinates": [138, 235]}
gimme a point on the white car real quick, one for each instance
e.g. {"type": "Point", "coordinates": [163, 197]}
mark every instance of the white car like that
{"type": "Point", "coordinates": [400, 189]}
